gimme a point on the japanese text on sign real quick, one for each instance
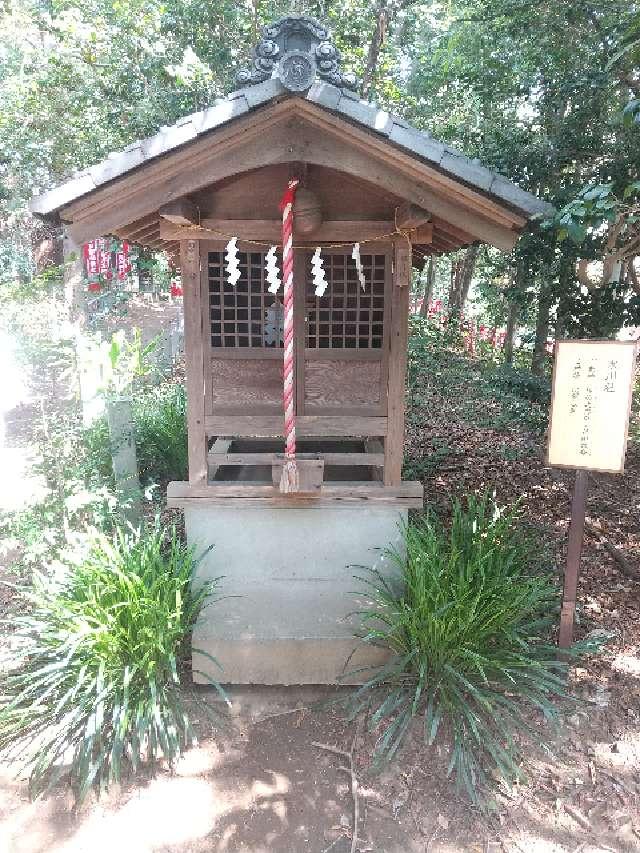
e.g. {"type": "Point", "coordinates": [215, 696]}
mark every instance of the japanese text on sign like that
{"type": "Point", "coordinates": [591, 400]}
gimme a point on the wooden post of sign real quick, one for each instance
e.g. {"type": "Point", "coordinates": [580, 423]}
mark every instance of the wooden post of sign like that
{"type": "Point", "coordinates": [588, 427]}
{"type": "Point", "coordinates": [574, 553]}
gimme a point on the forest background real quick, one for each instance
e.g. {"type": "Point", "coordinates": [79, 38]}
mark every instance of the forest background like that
{"type": "Point", "coordinates": [547, 93]}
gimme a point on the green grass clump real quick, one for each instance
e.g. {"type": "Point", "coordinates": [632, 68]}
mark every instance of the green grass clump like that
{"type": "Point", "coordinates": [160, 422]}
{"type": "Point", "coordinates": [92, 680]}
{"type": "Point", "coordinates": [467, 620]}
{"type": "Point", "coordinates": [475, 391]}
{"type": "Point", "coordinates": [161, 434]}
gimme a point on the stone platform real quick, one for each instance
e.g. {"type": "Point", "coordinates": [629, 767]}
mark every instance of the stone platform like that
{"type": "Point", "coordinates": [288, 590]}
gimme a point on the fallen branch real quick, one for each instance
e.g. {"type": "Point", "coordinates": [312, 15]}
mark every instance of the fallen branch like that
{"type": "Point", "coordinates": [278, 714]}
{"type": "Point", "coordinates": [354, 786]}
{"type": "Point", "coordinates": [577, 815]}
{"type": "Point", "coordinates": [625, 566]}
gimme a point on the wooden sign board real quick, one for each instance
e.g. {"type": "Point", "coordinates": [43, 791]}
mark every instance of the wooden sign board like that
{"type": "Point", "coordinates": [591, 404]}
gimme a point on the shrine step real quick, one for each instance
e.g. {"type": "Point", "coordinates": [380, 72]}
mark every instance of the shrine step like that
{"type": "Point", "coordinates": [320, 660]}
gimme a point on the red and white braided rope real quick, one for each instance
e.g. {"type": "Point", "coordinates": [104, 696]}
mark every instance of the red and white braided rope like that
{"type": "Point", "coordinates": [286, 207]}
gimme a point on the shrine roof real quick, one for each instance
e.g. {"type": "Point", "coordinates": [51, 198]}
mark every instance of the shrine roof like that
{"type": "Point", "coordinates": [312, 74]}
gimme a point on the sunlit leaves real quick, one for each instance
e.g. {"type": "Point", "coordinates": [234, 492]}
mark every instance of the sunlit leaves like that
{"type": "Point", "coordinates": [93, 680]}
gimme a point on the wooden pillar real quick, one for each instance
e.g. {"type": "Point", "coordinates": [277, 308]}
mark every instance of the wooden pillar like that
{"type": "Point", "coordinates": [398, 339]}
{"type": "Point", "coordinates": [194, 352]}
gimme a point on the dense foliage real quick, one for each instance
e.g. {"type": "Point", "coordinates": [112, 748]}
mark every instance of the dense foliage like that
{"type": "Point", "coordinates": [94, 671]}
{"type": "Point", "coordinates": [467, 621]}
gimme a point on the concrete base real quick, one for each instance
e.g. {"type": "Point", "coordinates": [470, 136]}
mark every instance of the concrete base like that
{"type": "Point", "coordinates": [289, 591]}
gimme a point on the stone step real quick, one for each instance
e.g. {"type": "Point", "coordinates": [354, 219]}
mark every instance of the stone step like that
{"type": "Point", "coordinates": [287, 661]}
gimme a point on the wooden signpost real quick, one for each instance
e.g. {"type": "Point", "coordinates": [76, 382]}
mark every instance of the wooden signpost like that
{"type": "Point", "coordinates": [590, 408]}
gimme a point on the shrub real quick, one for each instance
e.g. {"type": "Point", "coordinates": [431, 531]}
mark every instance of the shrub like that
{"type": "Point", "coordinates": [93, 677]}
{"type": "Point", "coordinates": [523, 383]}
{"type": "Point", "coordinates": [467, 622]}
{"type": "Point", "coordinates": [161, 434]}
{"type": "Point", "coordinates": [160, 421]}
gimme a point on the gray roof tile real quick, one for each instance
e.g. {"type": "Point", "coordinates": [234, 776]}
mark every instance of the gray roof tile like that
{"type": "Point", "coordinates": [465, 169]}
{"type": "Point", "coordinates": [324, 94]}
{"type": "Point", "coordinates": [221, 113]}
{"type": "Point", "coordinates": [507, 191]}
{"type": "Point", "coordinates": [360, 111]}
{"type": "Point", "coordinates": [117, 164]}
{"type": "Point", "coordinates": [418, 143]}
{"type": "Point", "coordinates": [384, 122]}
{"type": "Point", "coordinates": [64, 194]}
{"type": "Point", "coordinates": [260, 93]}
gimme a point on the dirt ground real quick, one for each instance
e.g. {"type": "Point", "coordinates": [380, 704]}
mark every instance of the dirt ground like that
{"type": "Point", "coordinates": [262, 784]}
{"type": "Point", "coordinates": [267, 782]}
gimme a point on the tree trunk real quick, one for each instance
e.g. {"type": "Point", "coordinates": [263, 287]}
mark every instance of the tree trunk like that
{"type": "Point", "coordinates": [461, 274]}
{"type": "Point", "coordinates": [428, 286]}
{"type": "Point", "coordinates": [542, 332]}
{"type": "Point", "coordinates": [383, 19]}
{"type": "Point", "coordinates": [509, 339]}
{"type": "Point", "coordinates": [470, 258]}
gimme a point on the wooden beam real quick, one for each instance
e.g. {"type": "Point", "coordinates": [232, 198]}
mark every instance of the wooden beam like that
{"type": "Point", "coordinates": [270, 230]}
{"type": "Point", "coordinates": [142, 230]}
{"type": "Point", "coordinates": [220, 448]}
{"type": "Point", "coordinates": [140, 224]}
{"type": "Point", "coordinates": [191, 286]}
{"type": "Point", "coordinates": [236, 460]}
{"type": "Point", "coordinates": [398, 341]}
{"type": "Point", "coordinates": [375, 448]}
{"type": "Point", "coordinates": [410, 216]}
{"type": "Point", "coordinates": [204, 153]}
{"type": "Point", "coordinates": [376, 145]}
{"type": "Point", "coordinates": [180, 211]}
{"type": "Point", "coordinates": [408, 495]}
{"type": "Point", "coordinates": [401, 264]}
{"type": "Point", "coordinates": [458, 234]}
{"type": "Point", "coordinates": [151, 232]}
{"type": "Point", "coordinates": [444, 244]}
{"type": "Point", "coordinates": [422, 234]}
{"type": "Point", "coordinates": [269, 426]}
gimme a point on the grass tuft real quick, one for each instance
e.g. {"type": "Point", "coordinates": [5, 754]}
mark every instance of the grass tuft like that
{"type": "Point", "coordinates": [92, 679]}
{"type": "Point", "coordinates": [467, 619]}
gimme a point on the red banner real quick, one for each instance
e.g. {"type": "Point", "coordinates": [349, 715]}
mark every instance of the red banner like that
{"type": "Point", "coordinates": [92, 258]}
{"type": "Point", "coordinates": [123, 265]}
{"type": "Point", "coordinates": [98, 259]}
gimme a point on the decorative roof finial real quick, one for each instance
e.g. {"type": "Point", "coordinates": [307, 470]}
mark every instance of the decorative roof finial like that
{"type": "Point", "coordinates": [296, 49]}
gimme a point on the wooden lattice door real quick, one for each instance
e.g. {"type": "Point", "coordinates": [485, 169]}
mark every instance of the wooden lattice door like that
{"type": "Point", "coordinates": [341, 337]}
{"type": "Point", "coordinates": [242, 326]}
{"type": "Point", "coordinates": [345, 334]}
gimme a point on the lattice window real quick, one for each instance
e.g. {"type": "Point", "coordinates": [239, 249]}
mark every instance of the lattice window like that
{"type": "Point", "coordinates": [346, 317]}
{"type": "Point", "coordinates": [247, 314]}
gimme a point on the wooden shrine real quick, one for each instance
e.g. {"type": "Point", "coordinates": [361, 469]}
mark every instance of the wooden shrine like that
{"type": "Point", "coordinates": [365, 177]}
